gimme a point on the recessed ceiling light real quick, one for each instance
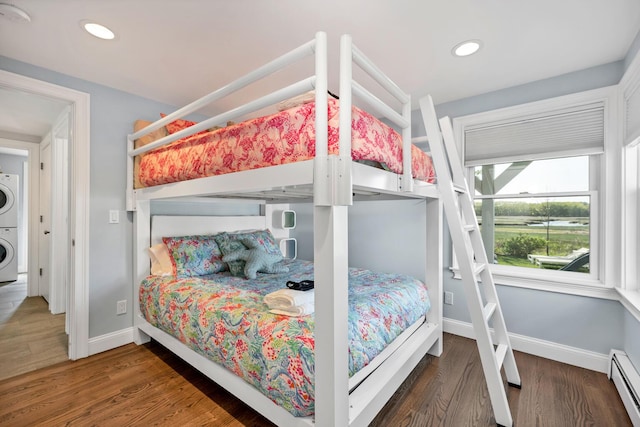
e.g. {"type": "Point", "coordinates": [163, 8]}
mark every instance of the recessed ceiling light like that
{"type": "Point", "coordinates": [466, 48]}
{"type": "Point", "coordinates": [97, 30]}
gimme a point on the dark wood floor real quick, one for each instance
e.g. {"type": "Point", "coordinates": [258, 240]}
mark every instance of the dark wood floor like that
{"type": "Point", "coordinates": [147, 385]}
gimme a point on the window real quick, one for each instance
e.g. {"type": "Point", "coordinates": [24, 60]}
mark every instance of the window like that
{"type": "Point", "coordinates": [537, 214]}
{"type": "Point", "coordinates": [630, 85]}
{"type": "Point", "coordinates": [631, 210]}
{"type": "Point", "coordinates": [540, 172]}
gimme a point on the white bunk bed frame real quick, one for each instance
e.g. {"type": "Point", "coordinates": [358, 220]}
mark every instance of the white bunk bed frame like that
{"type": "Point", "coordinates": [330, 181]}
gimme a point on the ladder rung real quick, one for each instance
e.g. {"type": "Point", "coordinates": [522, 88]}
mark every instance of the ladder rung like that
{"type": "Point", "coordinates": [478, 268]}
{"type": "Point", "coordinates": [469, 228]}
{"type": "Point", "coordinates": [459, 188]}
{"type": "Point", "coordinates": [488, 310]}
{"type": "Point", "coordinates": [501, 352]}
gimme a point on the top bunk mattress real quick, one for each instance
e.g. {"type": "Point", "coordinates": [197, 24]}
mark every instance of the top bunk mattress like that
{"type": "Point", "coordinates": [284, 137]}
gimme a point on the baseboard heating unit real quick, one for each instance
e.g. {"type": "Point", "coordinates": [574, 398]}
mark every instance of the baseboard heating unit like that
{"type": "Point", "coordinates": [627, 380]}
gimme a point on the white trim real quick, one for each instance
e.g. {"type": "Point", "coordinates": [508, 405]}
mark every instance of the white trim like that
{"type": "Point", "coordinates": [79, 216]}
{"type": "Point", "coordinates": [549, 350]}
{"type": "Point", "coordinates": [605, 235]}
{"type": "Point", "coordinates": [26, 182]}
{"type": "Point", "coordinates": [110, 341]}
{"type": "Point", "coordinates": [630, 208]}
{"type": "Point", "coordinates": [585, 288]}
{"type": "Point", "coordinates": [59, 214]}
{"type": "Point", "coordinates": [551, 283]}
{"type": "Point", "coordinates": [631, 301]}
{"type": "Point", "coordinates": [629, 83]}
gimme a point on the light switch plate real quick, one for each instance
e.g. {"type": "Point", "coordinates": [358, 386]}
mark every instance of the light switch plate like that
{"type": "Point", "coordinates": [114, 217]}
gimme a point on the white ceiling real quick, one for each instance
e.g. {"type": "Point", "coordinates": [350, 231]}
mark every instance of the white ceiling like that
{"type": "Point", "coordinates": [176, 51]}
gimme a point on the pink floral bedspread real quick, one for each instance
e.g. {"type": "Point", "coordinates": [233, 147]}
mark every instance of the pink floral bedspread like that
{"type": "Point", "coordinates": [285, 137]}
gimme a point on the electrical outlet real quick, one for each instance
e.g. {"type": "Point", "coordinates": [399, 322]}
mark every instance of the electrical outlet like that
{"type": "Point", "coordinates": [121, 307]}
{"type": "Point", "coordinates": [448, 298]}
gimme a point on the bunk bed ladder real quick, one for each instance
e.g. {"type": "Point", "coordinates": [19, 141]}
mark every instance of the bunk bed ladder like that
{"type": "Point", "coordinates": [473, 263]}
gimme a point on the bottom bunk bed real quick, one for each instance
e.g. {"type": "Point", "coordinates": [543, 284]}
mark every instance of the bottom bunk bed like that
{"type": "Point", "coordinates": [221, 324]}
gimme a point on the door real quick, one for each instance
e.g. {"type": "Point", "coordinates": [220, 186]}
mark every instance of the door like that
{"type": "Point", "coordinates": [45, 220]}
{"type": "Point", "coordinates": [59, 215]}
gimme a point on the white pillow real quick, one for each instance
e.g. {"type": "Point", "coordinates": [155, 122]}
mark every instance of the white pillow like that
{"type": "Point", "coordinates": [305, 98]}
{"type": "Point", "coordinates": [161, 264]}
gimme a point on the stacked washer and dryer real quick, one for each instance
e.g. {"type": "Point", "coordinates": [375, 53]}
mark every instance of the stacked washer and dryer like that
{"type": "Point", "coordinates": [8, 227]}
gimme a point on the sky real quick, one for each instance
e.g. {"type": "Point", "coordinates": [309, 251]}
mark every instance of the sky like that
{"type": "Point", "coordinates": [554, 175]}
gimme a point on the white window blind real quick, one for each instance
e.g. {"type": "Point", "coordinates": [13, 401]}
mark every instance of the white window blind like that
{"type": "Point", "coordinates": [571, 131]}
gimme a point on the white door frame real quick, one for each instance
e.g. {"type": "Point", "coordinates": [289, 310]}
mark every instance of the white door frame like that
{"type": "Point", "coordinates": [60, 236]}
{"type": "Point", "coordinates": [45, 260]}
{"type": "Point", "coordinates": [78, 310]}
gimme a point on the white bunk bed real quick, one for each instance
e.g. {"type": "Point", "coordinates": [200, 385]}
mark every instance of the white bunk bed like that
{"type": "Point", "coordinates": [330, 183]}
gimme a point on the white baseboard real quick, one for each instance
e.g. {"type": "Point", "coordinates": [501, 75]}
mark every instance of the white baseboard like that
{"type": "Point", "coordinates": [110, 341]}
{"type": "Point", "coordinates": [547, 349]}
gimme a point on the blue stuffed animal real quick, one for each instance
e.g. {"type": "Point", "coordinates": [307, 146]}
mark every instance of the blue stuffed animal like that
{"type": "Point", "coordinates": [256, 259]}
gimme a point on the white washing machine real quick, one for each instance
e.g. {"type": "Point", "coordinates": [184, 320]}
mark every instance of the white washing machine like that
{"type": "Point", "coordinates": [8, 200]}
{"type": "Point", "coordinates": [8, 254]}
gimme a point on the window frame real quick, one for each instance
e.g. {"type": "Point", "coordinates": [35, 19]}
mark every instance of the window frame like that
{"type": "Point", "coordinates": [603, 175]}
{"type": "Point", "coordinates": [629, 99]}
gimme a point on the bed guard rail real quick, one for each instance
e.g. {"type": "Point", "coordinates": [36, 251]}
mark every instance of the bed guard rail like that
{"type": "Point", "coordinates": [339, 192]}
{"type": "Point", "coordinates": [349, 53]}
{"type": "Point", "coordinates": [316, 46]}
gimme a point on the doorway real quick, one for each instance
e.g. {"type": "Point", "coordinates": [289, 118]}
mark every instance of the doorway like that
{"type": "Point", "coordinates": [78, 242]}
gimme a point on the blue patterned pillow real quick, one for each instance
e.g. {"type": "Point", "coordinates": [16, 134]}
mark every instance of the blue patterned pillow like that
{"type": "Point", "coordinates": [194, 255]}
{"type": "Point", "coordinates": [231, 242]}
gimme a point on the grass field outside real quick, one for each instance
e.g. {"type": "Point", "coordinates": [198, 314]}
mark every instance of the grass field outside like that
{"type": "Point", "coordinates": [555, 240]}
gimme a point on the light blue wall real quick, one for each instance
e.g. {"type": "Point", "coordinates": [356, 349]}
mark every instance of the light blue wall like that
{"type": "Point", "coordinates": [385, 236]}
{"type": "Point", "coordinates": [110, 250]}
{"type": "Point", "coordinates": [632, 339]}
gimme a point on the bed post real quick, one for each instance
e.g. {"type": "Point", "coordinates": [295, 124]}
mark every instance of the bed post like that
{"type": "Point", "coordinates": [141, 261]}
{"type": "Point", "coordinates": [330, 252]}
{"type": "Point", "coordinates": [434, 269]}
{"type": "Point", "coordinates": [407, 172]}
{"type": "Point", "coordinates": [331, 295]}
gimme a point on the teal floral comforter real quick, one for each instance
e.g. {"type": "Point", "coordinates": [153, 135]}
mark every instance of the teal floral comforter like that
{"type": "Point", "coordinates": [225, 319]}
